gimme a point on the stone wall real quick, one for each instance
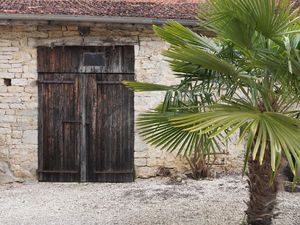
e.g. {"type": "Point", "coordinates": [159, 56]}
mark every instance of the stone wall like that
{"type": "Point", "coordinates": [18, 88]}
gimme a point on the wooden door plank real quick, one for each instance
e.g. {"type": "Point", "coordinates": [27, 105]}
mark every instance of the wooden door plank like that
{"type": "Point", "coordinates": [112, 150]}
{"type": "Point", "coordinates": [83, 148]}
{"type": "Point", "coordinates": [59, 138]}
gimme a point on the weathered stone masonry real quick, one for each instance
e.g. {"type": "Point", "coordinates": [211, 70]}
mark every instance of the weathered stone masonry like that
{"type": "Point", "coordinates": [18, 88]}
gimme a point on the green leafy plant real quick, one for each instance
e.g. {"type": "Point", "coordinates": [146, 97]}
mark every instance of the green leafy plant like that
{"type": "Point", "coordinates": [246, 80]}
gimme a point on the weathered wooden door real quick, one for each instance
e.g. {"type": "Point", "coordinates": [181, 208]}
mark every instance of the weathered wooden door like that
{"type": "Point", "coordinates": [85, 114]}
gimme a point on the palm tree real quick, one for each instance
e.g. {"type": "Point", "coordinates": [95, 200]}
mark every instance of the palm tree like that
{"type": "Point", "coordinates": [245, 80]}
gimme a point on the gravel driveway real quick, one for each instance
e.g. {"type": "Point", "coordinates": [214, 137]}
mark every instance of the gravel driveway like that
{"type": "Point", "coordinates": [145, 202]}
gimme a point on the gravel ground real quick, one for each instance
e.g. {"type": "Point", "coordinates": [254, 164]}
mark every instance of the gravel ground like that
{"type": "Point", "coordinates": [145, 202]}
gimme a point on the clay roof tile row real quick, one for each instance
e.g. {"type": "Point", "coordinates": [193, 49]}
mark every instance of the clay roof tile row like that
{"type": "Point", "coordinates": [161, 9]}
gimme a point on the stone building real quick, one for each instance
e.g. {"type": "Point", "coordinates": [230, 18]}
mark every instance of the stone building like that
{"type": "Point", "coordinates": [37, 85]}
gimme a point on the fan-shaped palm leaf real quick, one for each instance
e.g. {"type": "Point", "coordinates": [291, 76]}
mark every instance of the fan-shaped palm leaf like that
{"type": "Point", "coordinates": [260, 129]}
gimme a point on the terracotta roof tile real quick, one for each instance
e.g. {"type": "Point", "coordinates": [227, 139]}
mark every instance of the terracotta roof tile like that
{"type": "Point", "coordinates": [164, 9]}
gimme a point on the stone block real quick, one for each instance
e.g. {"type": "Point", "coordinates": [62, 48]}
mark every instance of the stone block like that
{"type": "Point", "coordinates": [4, 131]}
{"type": "Point", "coordinates": [5, 125]}
{"type": "Point", "coordinates": [72, 28]}
{"type": "Point", "coordinates": [22, 56]}
{"type": "Point", "coordinates": [16, 65]}
{"type": "Point", "coordinates": [9, 49]}
{"type": "Point", "coordinates": [6, 175]}
{"type": "Point", "coordinates": [7, 75]}
{"type": "Point", "coordinates": [8, 119]}
{"type": "Point", "coordinates": [145, 172]}
{"type": "Point", "coordinates": [141, 148]}
{"type": "Point", "coordinates": [55, 34]}
{"type": "Point", "coordinates": [143, 154]}
{"type": "Point", "coordinates": [21, 172]}
{"type": "Point", "coordinates": [4, 106]}
{"type": "Point", "coordinates": [15, 70]}
{"type": "Point", "coordinates": [16, 134]}
{"type": "Point", "coordinates": [3, 89]}
{"type": "Point", "coordinates": [27, 120]}
{"type": "Point", "coordinates": [5, 66]}
{"type": "Point", "coordinates": [30, 68]}
{"type": "Point", "coordinates": [10, 112]}
{"type": "Point", "coordinates": [156, 153]}
{"type": "Point", "coordinates": [16, 106]}
{"type": "Point", "coordinates": [18, 75]}
{"type": "Point", "coordinates": [29, 89]}
{"type": "Point", "coordinates": [32, 42]}
{"type": "Point", "coordinates": [140, 162]}
{"type": "Point", "coordinates": [49, 28]}
{"type": "Point", "coordinates": [30, 137]}
{"type": "Point", "coordinates": [4, 61]}
{"type": "Point", "coordinates": [26, 112]}
{"type": "Point", "coordinates": [23, 28]}
{"type": "Point", "coordinates": [5, 43]}
{"type": "Point", "coordinates": [70, 33]}
{"type": "Point", "coordinates": [29, 75]}
{"type": "Point", "coordinates": [38, 34]}
{"type": "Point", "coordinates": [14, 141]}
{"type": "Point", "coordinates": [2, 140]}
{"type": "Point", "coordinates": [31, 105]}
{"type": "Point", "coordinates": [15, 89]}
{"type": "Point", "coordinates": [15, 44]}
{"type": "Point", "coordinates": [154, 162]}
{"type": "Point", "coordinates": [23, 41]}
{"type": "Point", "coordinates": [5, 57]}
{"type": "Point", "coordinates": [11, 99]}
{"type": "Point", "coordinates": [19, 82]}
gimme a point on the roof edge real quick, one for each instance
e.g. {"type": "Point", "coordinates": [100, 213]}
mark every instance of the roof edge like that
{"type": "Point", "coordinates": [97, 19]}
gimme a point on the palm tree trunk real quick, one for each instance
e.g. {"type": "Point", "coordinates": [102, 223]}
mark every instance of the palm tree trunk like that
{"type": "Point", "coordinates": [262, 193]}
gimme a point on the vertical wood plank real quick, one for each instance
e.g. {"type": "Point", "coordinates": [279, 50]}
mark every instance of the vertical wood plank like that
{"type": "Point", "coordinates": [83, 153]}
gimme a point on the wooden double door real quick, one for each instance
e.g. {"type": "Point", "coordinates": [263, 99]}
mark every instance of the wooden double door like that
{"type": "Point", "coordinates": [86, 115]}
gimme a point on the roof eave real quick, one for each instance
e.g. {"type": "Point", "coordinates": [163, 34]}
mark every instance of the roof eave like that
{"type": "Point", "coordinates": [96, 19]}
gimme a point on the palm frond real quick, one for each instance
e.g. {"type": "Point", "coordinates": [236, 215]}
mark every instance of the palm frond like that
{"type": "Point", "coordinates": [261, 129]}
{"type": "Point", "coordinates": [177, 35]}
{"type": "Point", "coordinates": [158, 131]}
{"type": "Point", "coordinates": [271, 18]}
{"type": "Point", "coordinates": [197, 56]}
{"type": "Point", "coordinates": [140, 86]}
